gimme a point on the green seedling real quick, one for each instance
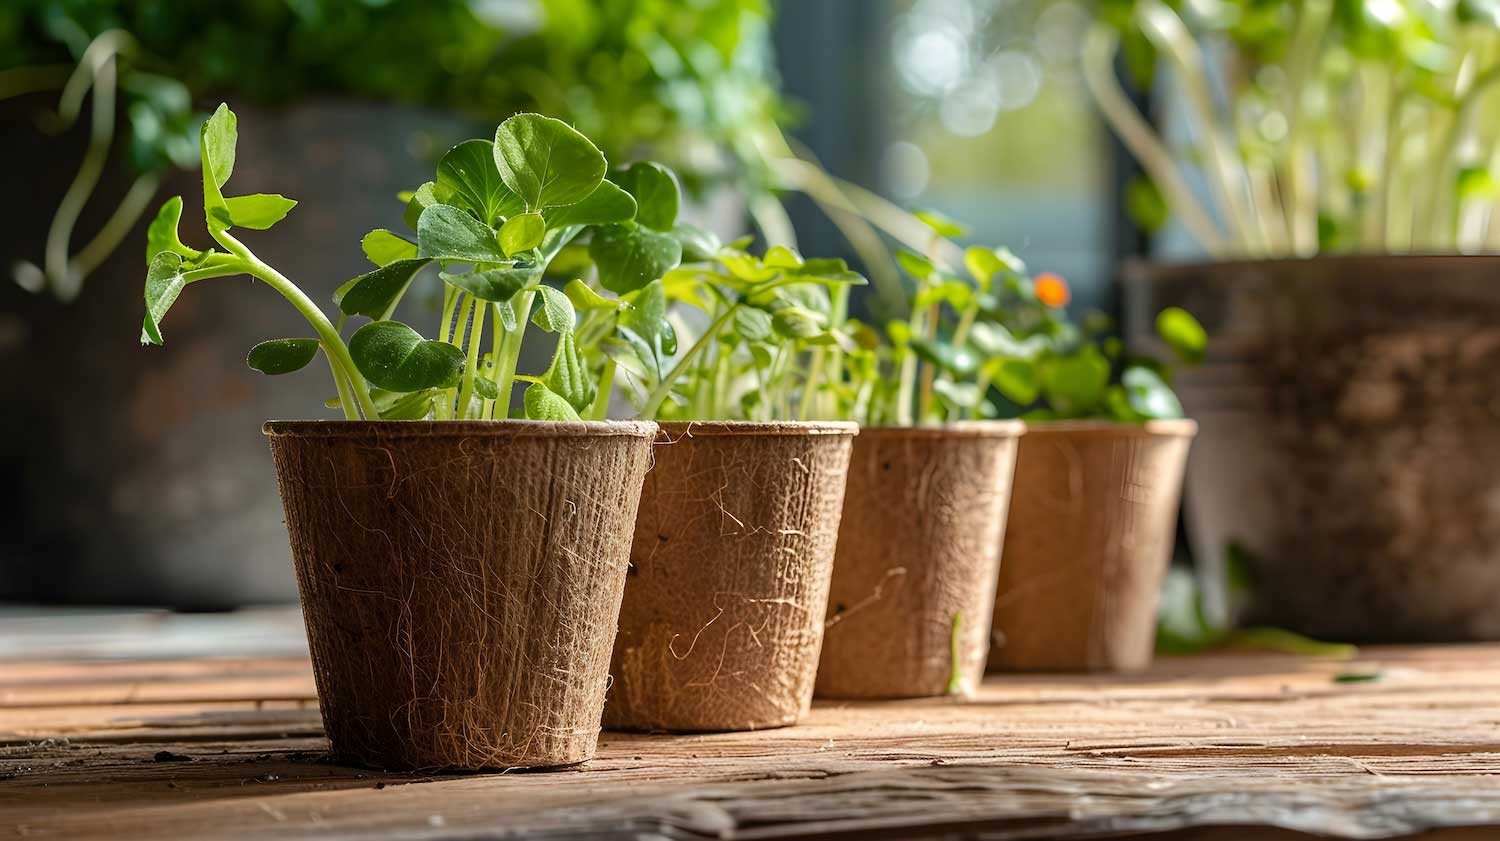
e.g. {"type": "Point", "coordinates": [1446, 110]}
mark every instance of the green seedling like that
{"type": "Point", "coordinates": [497, 216]}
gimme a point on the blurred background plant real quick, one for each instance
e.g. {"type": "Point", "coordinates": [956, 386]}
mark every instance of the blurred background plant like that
{"type": "Point", "coordinates": [691, 83]}
{"type": "Point", "coordinates": [1309, 126]}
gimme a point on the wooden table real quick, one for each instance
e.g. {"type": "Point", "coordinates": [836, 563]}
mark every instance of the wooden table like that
{"type": "Point", "coordinates": [170, 727]}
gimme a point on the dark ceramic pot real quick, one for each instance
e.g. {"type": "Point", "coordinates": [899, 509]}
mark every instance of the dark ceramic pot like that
{"type": "Point", "coordinates": [1349, 451]}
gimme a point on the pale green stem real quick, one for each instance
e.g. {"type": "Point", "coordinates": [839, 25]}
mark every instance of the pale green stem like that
{"type": "Point", "coordinates": [1136, 134]}
{"type": "Point", "coordinates": [476, 338]}
{"type": "Point", "coordinates": [1167, 32]}
{"type": "Point", "coordinates": [497, 344]}
{"type": "Point", "coordinates": [600, 410]}
{"type": "Point", "coordinates": [100, 67]}
{"type": "Point", "coordinates": [659, 394]}
{"type": "Point", "coordinates": [505, 373]}
{"type": "Point", "coordinates": [451, 297]}
{"type": "Point", "coordinates": [333, 344]}
{"type": "Point", "coordinates": [346, 395]}
{"type": "Point", "coordinates": [810, 387]}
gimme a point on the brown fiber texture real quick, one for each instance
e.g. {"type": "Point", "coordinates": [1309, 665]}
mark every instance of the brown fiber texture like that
{"type": "Point", "coordinates": [918, 555]}
{"type": "Point", "coordinates": [723, 612]}
{"type": "Point", "coordinates": [461, 582]}
{"type": "Point", "coordinates": [1092, 525]}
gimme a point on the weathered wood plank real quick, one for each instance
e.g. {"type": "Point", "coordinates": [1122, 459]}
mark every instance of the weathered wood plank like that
{"type": "Point", "coordinates": [1197, 743]}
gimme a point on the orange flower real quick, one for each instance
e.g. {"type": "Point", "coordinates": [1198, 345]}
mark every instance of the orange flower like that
{"type": "Point", "coordinates": [1052, 290]}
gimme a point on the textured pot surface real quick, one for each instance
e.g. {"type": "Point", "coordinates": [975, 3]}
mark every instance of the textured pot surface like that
{"type": "Point", "coordinates": [729, 571]}
{"type": "Point", "coordinates": [461, 582]}
{"type": "Point", "coordinates": [918, 554]}
{"type": "Point", "coordinates": [1092, 523]}
{"type": "Point", "coordinates": [1350, 446]}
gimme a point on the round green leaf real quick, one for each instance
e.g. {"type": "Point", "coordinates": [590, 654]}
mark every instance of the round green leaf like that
{"type": "Point", "coordinates": [445, 232]}
{"type": "Point", "coordinates": [1075, 385]}
{"type": "Point", "coordinates": [546, 162]}
{"type": "Point", "coordinates": [657, 195]}
{"type": "Point", "coordinates": [395, 357]}
{"type": "Point", "coordinates": [467, 177]}
{"type": "Point", "coordinates": [607, 204]}
{"type": "Point", "coordinates": [1148, 394]}
{"type": "Point", "coordinates": [1182, 333]}
{"type": "Point", "coordinates": [698, 246]}
{"type": "Point", "coordinates": [383, 248]}
{"type": "Point", "coordinates": [522, 232]}
{"type": "Point", "coordinates": [631, 257]}
{"type": "Point", "coordinates": [258, 212]}
{"type": "Point", "coordinates": [282, 356]}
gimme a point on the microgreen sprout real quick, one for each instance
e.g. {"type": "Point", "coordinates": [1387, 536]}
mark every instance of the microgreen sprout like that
{"type": "Point", "coordinates": [497, 216]}
{"type": "Point", "coordinates": [993, 326]}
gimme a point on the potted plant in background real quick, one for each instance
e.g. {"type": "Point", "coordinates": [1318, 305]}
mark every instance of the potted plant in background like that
{"type": "Point", "coordinates": [1347, 404]}
{"type": "Point", "coordinates": [929, 486]}
{"type": "Point", "coordinates": [723, 613]}
{"type": "Point", "coordinates": [460, 572]}
{"type": "Point", "coordinates": [357, 98]}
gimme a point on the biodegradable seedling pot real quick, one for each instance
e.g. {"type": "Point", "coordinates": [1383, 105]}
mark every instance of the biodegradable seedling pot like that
{"type": "Point", "coordinates": [918, 554]}
{"type": "Point", "coordinates": [1092, 524]}
{"type": "Point", "coordinates": [460, 582]}
{"type": "Point", "coordinates": [728, 584]}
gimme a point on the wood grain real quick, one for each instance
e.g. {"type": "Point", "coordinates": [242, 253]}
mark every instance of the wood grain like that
{"type": "Point", "coordinates": [1196, 747]}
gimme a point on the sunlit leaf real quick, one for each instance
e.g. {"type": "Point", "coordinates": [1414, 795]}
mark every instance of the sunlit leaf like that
{"type": "Point", "coordinates": [522, 232]}
{"type": "Point", "coordinates": [259, 211]}
{"type": "Point", "coordinates": [446, 232]}
{"type": "Point", "coordinates": [546, 162]}
{"type": "Point", "coordinates": [1182, 333]}
{"type": "Point", "coordinates": [631, 257]}
{"type": "Point", "coordinates": [656, 193]}
{"type": "Point", "coordinates": [383, 247]}
{"type": "Point", "coordinates": [467, 177]}
{"type": "Point", "coordinates": [606, 205]}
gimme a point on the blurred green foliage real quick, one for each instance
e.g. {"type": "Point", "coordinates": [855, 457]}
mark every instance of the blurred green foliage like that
{"type": "Point", "coordinates": [682, 77]}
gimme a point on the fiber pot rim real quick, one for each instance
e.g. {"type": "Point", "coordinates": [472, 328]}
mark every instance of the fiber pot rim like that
{"type": "Point", "coordinates": [1177, 428]}
{"type": "Point", "coordinates": [677, 430]}
{"type": "Point", "coordinates": [506, 428]}
{"type": "Point", "coordinates": [956, 429]}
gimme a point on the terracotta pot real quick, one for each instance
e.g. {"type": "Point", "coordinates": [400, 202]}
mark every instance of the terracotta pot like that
{"type": "Point", "coordinates": [1350, 453]}
{"type": "Point", "coordinates": [461, 582]}
{"type": "Point", "coordinates": [918, 554]}
{"type": "Point", "coordinates": [1092, 525]}
{"type": "Point", "coordinates": [728, 584]}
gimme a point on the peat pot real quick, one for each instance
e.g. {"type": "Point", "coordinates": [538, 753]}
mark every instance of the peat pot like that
{"type": "Point", "coordinates": [918, 553]}
{"type": "Point", "coordinates": [1350, 451]}
{"type": "Point", "coordinates": [729, 573]}
{"type": "Point", "coordinates": [460, 582]}
{"type": "Point", "coordinates": [1092, 524]}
